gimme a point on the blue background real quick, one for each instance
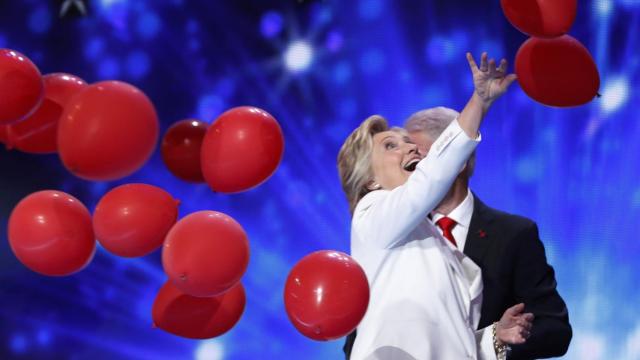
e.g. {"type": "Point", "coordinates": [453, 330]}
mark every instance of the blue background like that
{"type": "Point", "coordinates": [575, 171]}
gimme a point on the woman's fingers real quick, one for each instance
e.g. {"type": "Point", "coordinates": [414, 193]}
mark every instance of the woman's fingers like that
{"type": "Point", "coordinates": [525, 325]}
{"type": "Point", "coordinates": [520, 335]}
{"type": "Point", "coordinates": [503, 66]}
{"type": "Point", "coordinates": [483, 62]}
{"type": "Point", "coordinates": [492, 67]}
{"type": "Point", "coordinates": [518, 339]}
{"type": "Point", "coordinates": [509, 79]}
{"type": "Point", "coordinates": [519, 332]}
{"type": "Point", "coordinates": [524, 319]}
{"type": "Point", "coordinates": [515, 309]}
{"type": "Point", "coordinates": [521, 329]}
{"type": "Point", "coordinates": [472, 62]}
{"type": "Point", "coordinates": [486, 64]}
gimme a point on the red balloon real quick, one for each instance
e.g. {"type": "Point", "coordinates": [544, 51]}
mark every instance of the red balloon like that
{"type": "Point", "coordinates": [50, 233]}
{"type": "Point", "coordinates": [37, 133]}
{"type": "Point", "coordinates": [3, 134]}
{"type": "Point", "coordinates": [197, 317]}
{"type": "Point", "coordinates": [205, 253]}
{"type": "Point", "coordinates": [107, 131]}
{"type": "Point", "coordinates": [241, 150]}
{"type": "Point", "coordinates": [21, 87]}
{"type": "Point", "coordinates": [181, 149]}
{"type": "Point", "coordinates": [557, 72]}
{"type": "Point", "coordinates": [133, 219]}
{"type": "Point", "coordinates": [326, 295]}
{"type": "Point", "coordinates": [541, 18]}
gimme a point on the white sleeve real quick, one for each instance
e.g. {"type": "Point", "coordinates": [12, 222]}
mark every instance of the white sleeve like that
{"type": "Point", "coordinates": [484, 341]}
{"type": "Point", "coordinates": [384, 218]}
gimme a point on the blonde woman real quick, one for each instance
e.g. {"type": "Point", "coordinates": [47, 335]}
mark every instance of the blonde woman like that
{"type": "Point", "coordinates": [425, 294]}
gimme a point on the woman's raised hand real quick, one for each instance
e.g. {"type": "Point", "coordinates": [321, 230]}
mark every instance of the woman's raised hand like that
{"type": "Point", "coordinates": [490, 81]}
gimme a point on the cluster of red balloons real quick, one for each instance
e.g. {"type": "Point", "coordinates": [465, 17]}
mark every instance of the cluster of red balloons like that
{"type": "Point", "coordinates": [239, 151]}
{"type": "Point", "coordinates": [108, 130]}
{"type": "Point", "coordinates": [53, 233]}
{"type": "Point", "coordinates": [553, 68]}
{"type": "Point", "coordinates": [326, 295]}
{"type": "Point", "coordinates": [204, 255]}
{"type": "Point", "coordinates": [103, 131]}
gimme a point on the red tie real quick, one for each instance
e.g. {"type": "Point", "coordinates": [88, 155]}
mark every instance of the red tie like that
{"type": "Point", "coordinates": [447, 224]}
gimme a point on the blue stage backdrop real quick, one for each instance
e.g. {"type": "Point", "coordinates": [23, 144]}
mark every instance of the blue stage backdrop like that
{"type": "Point", "coordinates": [321, 67]}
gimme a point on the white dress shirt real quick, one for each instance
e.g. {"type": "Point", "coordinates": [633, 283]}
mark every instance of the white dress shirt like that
{"type": "Point", "coordinates": [425, 294]}
{"type": "Point", "coordinates": [462, 216]}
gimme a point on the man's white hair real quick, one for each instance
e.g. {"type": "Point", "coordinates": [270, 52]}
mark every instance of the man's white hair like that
{"type": "Point", "coordinates": [432, 122]}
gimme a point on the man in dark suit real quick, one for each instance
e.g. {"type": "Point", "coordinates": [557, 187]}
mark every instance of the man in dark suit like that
{"type": "Point", "coordinates": [506, 247]}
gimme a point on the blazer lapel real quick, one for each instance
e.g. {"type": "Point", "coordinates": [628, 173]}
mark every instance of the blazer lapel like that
{"type": "Point", "coordinates": [475, 248]}
{"type": "Point", "coordinates": [478, 236]}
{"type": "Point", "coordinates": [467, 271]}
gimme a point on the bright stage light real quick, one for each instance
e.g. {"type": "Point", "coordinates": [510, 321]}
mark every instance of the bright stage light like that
{"type": "Point", "coordinates": [108, 3]}
{"type": "Point", "coordinates": [603, 7]}
{"type": "Point", "coordinates": [210, 350]}
{"type": "Point", "coordinates": [615, 94]}
{"type": "Point", "coordinates": [298, 56]}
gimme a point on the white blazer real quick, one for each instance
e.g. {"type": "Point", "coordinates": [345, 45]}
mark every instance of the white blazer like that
{"type": "Point", "coordinates": [425, 294]}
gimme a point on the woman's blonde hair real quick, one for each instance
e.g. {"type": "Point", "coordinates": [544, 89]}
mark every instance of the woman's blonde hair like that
{"type": "Point", "coordinates": [354, 159]}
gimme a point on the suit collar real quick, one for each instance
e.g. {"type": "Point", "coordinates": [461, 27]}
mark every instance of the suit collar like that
{"type": "Point", "coordinates": [479, 230]}
{"type": "Point", "coordinates": [461, 214]}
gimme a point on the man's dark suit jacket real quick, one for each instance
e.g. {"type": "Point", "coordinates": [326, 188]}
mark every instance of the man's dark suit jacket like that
{"type": "Point", "coordinates": [514, 269]}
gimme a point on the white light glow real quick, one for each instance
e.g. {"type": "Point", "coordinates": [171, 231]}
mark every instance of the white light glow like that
{"type": "Point", "coordinates": [589, 346]}
{"type": "Point", "coordinates": [209, 350]}
{"type": "Point", "coordinates": [298, 56]}
{"type": "Point", "coordinates": [632, 345]}
{"type": "Point", "coordinates": [603, 7]}
{"type": "Point", "coordinates": [108, 3]}
{"type": "Point", "coordinates": [615, 94]}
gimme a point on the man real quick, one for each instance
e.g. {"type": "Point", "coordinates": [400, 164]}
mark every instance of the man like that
{"type": "Point", "coordinates": [506, 247]}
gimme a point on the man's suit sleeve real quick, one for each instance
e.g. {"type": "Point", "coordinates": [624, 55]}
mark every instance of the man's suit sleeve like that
{"type": "Point", "coordinates": [348, 344]}
{"type": "Point", "coordinates": [534, 284]}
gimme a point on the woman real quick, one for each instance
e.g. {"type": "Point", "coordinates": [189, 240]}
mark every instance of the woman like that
{"type": "Point", "coordinates": [425, 294]}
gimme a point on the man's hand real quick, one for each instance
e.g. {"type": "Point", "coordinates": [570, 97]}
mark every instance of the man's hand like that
{"type": "Point", "coordinates": [490, 82]}
{"type": "Point", "coordinates": [514, 327]}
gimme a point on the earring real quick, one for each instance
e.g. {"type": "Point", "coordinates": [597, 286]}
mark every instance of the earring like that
{"type": "Point", "coordinates": [374, 186]}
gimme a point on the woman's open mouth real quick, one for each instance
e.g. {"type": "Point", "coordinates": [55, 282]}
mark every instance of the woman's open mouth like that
{"type": "Point", "coordinates": [411, 165]}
